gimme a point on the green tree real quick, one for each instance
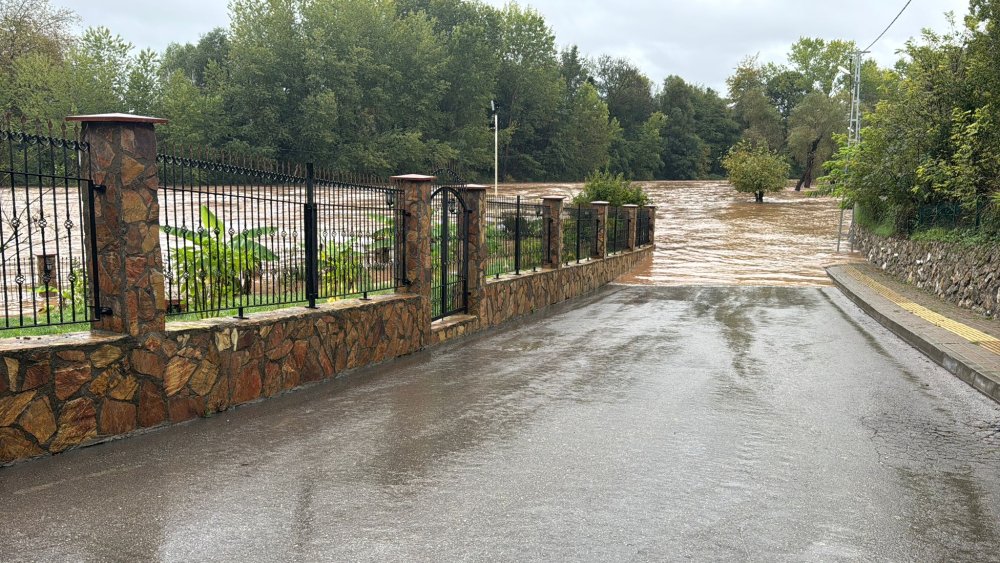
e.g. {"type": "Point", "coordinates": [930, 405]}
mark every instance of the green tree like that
{"type": "Point", "coordinates": [685, 154]}
{"type": "Point", "coordinates": [626, 90]}
{"type": "Point", "coordinates": [193, 60]}
{"type": "Point", "coordinates": [753, 109]}
{"type": "Point", "coordinates": [529, 88]}
{"type": "Point", "coordinates": [930, 141]}
{"type": "Point", "coordinates": [812, 125]}
{"type": "Point", "coordinates": [756, 170]}
{"type": "Point", "coordinates": [33, 27]}
{"type": "Point", "coordinates": [715, 125]}
{"type": "Point", "coordinates": [583, 136]}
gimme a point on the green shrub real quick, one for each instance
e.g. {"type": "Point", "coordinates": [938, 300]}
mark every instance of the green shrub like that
{"type": "Point", "coordinates": [612, 188]}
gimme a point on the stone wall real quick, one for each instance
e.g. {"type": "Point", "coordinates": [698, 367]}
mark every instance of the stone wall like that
{"type": "Point", "coordinates": [512, 297]}
{"type": "Point", "coordinates": [81, 389]}
{"type": "Point", "coordinates": [967, 276]}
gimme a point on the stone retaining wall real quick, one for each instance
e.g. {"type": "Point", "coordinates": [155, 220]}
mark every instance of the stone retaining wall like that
{"type": "Point", "coordinates": [967, 276]}
{"type": "Point", "coordinates": [61, 392]}
{"type": "Point", "coordinates": [512, 297]}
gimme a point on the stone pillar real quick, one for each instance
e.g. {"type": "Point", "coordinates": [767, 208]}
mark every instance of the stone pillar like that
{"type": "Point", "coordinates": [127, 209]}
{"type": "Point", "coordinates": [601, 210]}
{"type": "Point", "coordinates": [417, 269]}
{"type": "Point", "coordinates": [475, 201]}
{"type": "Point", "coordinates": [652, 224]}
{"type": "Point", "coordinates": [553, 233]}
{"type": "Point", "coordinates": [633, 216]}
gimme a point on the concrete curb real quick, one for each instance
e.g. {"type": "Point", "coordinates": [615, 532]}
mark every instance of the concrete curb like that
{"type": "Point", "coordinates": [963, 368]}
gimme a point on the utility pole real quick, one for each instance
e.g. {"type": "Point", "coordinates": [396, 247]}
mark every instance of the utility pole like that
{"type": "Point", "coordinates": [853, 132]}
{"type": "Point", "coordinates": [495, 108]}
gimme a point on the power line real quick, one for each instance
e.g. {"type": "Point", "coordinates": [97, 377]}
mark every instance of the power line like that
{"type": "Point", "coordinates": [889, 26]}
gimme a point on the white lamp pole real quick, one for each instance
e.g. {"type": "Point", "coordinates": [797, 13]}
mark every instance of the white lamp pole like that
{"type": "Point", "coordinates": [496, 147]}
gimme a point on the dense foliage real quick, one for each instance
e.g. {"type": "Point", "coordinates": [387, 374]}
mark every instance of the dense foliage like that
{"type": "Point", "coordinates": [384, 86]}
{"type": "Point", "coordinates": [929, 151]}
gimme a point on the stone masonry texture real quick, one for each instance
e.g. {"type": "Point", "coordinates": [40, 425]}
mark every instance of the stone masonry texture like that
{"type": "Point", "coordinates": [80, 390]}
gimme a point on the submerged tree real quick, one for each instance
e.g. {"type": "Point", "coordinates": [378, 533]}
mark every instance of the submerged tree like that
{"type": "Point", "coordinates": [755, 169]}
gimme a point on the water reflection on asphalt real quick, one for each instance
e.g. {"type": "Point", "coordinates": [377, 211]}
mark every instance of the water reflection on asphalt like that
{"type": "Point", "coordinates": [639, 423]}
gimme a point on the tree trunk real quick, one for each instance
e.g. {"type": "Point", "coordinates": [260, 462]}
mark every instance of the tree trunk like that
{"type": "Point", "coordinates": [759, 197]}
{"type": "Point", "coordinates": [807, 175]}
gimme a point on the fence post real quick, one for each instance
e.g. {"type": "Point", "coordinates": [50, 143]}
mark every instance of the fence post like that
{"type": "Point", "coordinates": [127, 222]}
{"type": "Point", "coordinates": [312, 238]}
{"type": "Point", "coordinates": [601, 210]}
{"type": "Point", "coordinates": [553, 235]}
{"type": "Point", "coordinates": [652, 224]}
{"type": "Point", "coordinates": [630, 228]}
{"type": "Point", "coordinates": [475, 199]}
{"type": "Point", "coordinates": [517, 236]}
{"type": "Point", "coordinates": [417, 269]}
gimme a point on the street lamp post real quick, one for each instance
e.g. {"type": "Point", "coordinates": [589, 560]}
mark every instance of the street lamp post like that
{"type": "Point", "coordinates": [494, 107]}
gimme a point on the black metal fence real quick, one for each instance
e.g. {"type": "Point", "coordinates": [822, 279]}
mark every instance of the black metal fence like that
{"type": "Point", "coordinates": [642, 222]}
{"type": "Point", "coordinates": [43, 214]}
{"type": "Point", "coordinates": [617, 229]}
{"type": "Point", "coordinates": [579, 233]}
{"type": "Point", "coordinates": [515, 235]}
{"type": "Point", "coordinates": [449, 252]}
{"type": "Point", "coordinates": [983, 218]}
{"type": "Point", "coordinates": [240, 234]}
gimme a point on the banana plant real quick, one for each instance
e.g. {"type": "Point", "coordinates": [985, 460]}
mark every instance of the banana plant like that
{"type": "Point", "coordinates": [210, 269]}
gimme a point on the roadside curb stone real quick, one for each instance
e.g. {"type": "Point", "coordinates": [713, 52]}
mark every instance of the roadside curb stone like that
{"type": "Point", "coordinates": [970, 362]}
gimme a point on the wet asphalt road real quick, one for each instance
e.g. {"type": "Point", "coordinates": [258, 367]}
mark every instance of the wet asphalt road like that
{"type": "Point", "coordinates": [641, 423]}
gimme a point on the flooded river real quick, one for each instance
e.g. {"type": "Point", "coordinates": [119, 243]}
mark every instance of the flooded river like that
{"type": "Point", "coordinates": [709, 234]}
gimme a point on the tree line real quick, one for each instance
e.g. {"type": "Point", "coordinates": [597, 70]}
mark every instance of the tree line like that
{"type": "Point", "coordinates": [388, 86]}
{"type": "Point", "coordinates": [378, 86]}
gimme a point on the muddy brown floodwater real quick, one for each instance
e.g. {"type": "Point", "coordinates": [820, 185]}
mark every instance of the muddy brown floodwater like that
{"type": "Point", "coordinates": [709, 234]}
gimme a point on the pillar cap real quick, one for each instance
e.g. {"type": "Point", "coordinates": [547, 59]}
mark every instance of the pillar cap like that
{"type": "Point", "coordinates": [553, 198]}
{"type": "Point", "coordinates": [116, 118]}
{"type": "Point", "coordinates": [600, 203]}
{"type": "Point", "coordinates": [477, 187]}
{"type": "Point", "coordinates": [631, 205]}
{"type": "Point", "coordinates": [414, 178]}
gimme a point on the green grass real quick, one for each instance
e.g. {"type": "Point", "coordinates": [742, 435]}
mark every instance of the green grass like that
{"type": "Point", "coordinates": [962, 237]}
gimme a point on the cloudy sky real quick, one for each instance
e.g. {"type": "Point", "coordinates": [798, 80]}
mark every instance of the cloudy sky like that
{"type": "Point", "coordinates": [700, 40]}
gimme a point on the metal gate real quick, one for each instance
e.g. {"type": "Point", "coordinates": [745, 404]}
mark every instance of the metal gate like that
{"type": "Point", "coordinates": [449, 252]}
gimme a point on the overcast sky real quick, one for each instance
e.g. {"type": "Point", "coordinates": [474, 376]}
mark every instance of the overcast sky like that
{"type": "Point", "coordinates": [699, 40]}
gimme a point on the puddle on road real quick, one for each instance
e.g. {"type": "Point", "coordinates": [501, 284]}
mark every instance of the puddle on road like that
{"type": "Point", "coordinates": [708, 234]}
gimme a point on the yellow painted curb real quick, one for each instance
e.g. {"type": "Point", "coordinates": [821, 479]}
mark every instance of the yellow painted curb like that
{"type": "Point", "coordinates": [974, 336]}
